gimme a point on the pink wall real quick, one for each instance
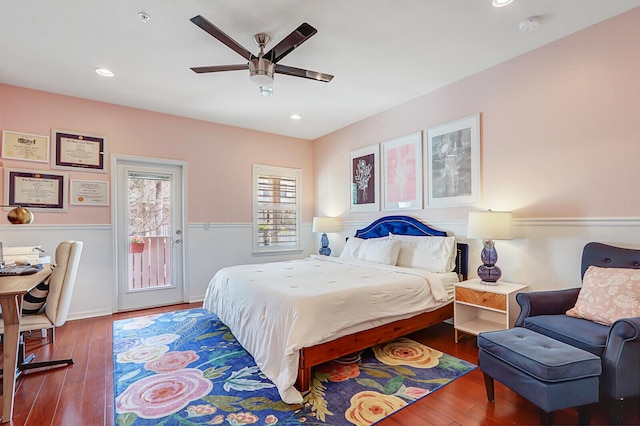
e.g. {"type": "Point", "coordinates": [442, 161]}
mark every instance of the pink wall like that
{"type": "Point", "coordinates": [219, 156]}
{"type": "Point", "coordinates": [560, 130]}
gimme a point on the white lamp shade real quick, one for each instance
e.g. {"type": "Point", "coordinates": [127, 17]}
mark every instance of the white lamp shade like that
{"type": "Point", "coordinates": [326, 224]}
{"type": "Point", "coordinates": [489, 225]}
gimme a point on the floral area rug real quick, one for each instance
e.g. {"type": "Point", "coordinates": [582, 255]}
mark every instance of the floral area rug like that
{"type": "Point", "coordinates": [186, 368]}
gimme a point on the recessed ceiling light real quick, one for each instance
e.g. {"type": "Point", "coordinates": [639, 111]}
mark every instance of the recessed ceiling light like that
{"type": "Point", "coordinates": [104, 72]}
{"type": "Point", "coordinates": [295, 116]}
{"type": "Point", "coordinates": [501, 3]}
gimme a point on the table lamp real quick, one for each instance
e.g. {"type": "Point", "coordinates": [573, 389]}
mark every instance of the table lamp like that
{"type": "Point", "coordinates": [489, 226]}
{"type": "Point", "coordinates": [325, 225]}
{"type": "Point", "coordinates": [19, 215]}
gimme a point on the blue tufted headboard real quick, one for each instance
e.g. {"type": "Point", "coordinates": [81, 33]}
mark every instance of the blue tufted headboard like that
{"type": "Point", "coordinates": [406, 225]}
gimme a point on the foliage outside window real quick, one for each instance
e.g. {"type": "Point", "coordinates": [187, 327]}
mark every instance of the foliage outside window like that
{"type": "Point", "coordinates": [149, 206]}
{"type": "Point", "coordinates": [276, 217]}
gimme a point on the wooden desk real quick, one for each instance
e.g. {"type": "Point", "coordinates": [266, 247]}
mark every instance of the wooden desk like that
{"type": "Point", "coordinates": [12, 288]}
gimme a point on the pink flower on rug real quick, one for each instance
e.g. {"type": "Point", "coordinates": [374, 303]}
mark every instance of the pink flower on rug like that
{"type": "Point", "coordinates": [239, 419]}
{"type": "Point", "coordinates": [405, 351]}
{"type": "Point", "coordinates": [270, 420]}
{"type": "Point", "coordinates": [415, 393]}
{"type": "Point", "coordinates": [143, 354]}
{"type": "Point", "coordinates": [163, 394]}
{"type": "Point", "coordinates": [172, 361]}
{"type": "Point", "coordinates": [200, 410]}
{"type": "Point", "coordinates": [162, 339]}
{"type": "Point", "coordinates": [368, 407]}
{"type": "Point", "coordinates": [338, 372]}
{"type": "Point", "coordinates": [217, 420]}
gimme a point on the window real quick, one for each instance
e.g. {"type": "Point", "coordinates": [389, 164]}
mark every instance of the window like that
{"type": "Point", "coordinates": [276, 208]}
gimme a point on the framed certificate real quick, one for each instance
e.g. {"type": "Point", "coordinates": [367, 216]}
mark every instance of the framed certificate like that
{"type": "Point", "coordinates": [88, 193]}
{"type": "Point", "coordinates": [78, 151]}
{"type": "Point", "coordinates": [35, 190]}
{"type": "Point", "coordinates": [25, 146]}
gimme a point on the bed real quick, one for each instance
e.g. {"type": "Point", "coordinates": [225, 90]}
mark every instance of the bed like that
{"type": "Point", "coordinates": [291, 316]}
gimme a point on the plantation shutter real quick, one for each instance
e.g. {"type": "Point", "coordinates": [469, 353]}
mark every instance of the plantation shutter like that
{"type": "Point", "coordinates": [277, 212]}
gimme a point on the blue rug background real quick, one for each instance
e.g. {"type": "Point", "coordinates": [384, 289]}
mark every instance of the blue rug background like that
{"type": "Point", "coordinates": [186, 368]}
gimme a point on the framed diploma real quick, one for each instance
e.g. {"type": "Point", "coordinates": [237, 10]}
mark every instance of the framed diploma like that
{"type": "Point", "coordinates": [78, 151]}
{"type": "Point", "coordinates": [35, 190]}
{"type": "Point", "coordinates": [88, 193]}
{"type": "Point", "coordinates": [24, 146]}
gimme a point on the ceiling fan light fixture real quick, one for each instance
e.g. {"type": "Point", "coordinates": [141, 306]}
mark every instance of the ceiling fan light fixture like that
{"type": "Point", "coordinates": [266, 90]}
{"type": "Point", "coordinates": [261, 72]}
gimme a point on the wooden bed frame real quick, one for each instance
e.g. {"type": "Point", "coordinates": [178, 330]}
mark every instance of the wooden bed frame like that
{"type": "Point", "coordinates": [318, 354]}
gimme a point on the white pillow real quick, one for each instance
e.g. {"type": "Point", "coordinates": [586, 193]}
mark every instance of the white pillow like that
{"type": "Point", "coordinates": [379, 250]}
{"type": "Point", "coordinates": [434, 254]}
{"type": "Point", "coordinates": [351, 248]}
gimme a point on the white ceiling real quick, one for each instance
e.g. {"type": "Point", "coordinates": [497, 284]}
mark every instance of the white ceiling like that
{"type": "Point", "coordinates": [382, 52]}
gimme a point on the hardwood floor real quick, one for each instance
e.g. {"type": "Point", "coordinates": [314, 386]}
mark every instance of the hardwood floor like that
{"type": "Point", "coordinates": [83, 393]}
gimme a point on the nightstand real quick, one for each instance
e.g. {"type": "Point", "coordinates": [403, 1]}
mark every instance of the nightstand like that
{"type": "Point", "coordinates": [479, 307]}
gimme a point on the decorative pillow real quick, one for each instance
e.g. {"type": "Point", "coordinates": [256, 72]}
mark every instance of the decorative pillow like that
{"type": "Point", "coordinates": [379, 251]}
{"type": "Point", "coordinates": [434, 254]}
{"type": "Point", "coordinates": [33, 302]}
{"type": "Point", "coordinates": [608, 294]}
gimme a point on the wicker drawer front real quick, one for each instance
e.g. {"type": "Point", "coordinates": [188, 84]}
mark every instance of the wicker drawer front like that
{"type": "Point", "coordinates": [482, 298]}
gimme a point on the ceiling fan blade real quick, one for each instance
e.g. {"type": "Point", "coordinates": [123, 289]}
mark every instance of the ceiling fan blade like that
{"type": "Point", "coordinates": [218, 68]}
{"type": "Point", "coordinates": [216, 32]}
{"type": "Point", "coordinates": [299, 72]}
{"type": "Point", "coordinates": [290, 42]}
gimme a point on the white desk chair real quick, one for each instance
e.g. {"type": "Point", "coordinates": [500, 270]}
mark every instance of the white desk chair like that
{"type": "Point", "coordinates": [57, 304]}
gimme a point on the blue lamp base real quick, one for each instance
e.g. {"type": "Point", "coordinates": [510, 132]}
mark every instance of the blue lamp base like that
{"type": "Point", "coordinates": [488, 272]}
{"type": "Point", "coordinates": [324, 250]}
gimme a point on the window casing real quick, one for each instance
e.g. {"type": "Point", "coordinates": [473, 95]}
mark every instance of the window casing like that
{"type": "Point", "coordinates": [276, 208]}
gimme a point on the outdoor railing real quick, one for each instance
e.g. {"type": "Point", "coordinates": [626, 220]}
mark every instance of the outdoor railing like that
{"type": "Point", "coordinates": [150, 266]}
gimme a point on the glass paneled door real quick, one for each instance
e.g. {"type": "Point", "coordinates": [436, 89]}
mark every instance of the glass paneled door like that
{"type": "Point", "coordinates": [150, 234]}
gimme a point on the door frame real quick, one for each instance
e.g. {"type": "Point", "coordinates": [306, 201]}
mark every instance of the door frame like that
{"type": "Point", "coordinates": [116, 227]}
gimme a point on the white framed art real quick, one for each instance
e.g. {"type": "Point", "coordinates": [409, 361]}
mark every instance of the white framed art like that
{"type": "Point", "coordinates": [402, 173]}
{"type": "Point", "coordinates": [365, 179]}
{"type": "Point", "coordinates": [453, 157]}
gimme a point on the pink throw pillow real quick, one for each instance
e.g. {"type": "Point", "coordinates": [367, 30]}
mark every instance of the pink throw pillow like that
{"type": "Point", "coordinates": [608, 294]}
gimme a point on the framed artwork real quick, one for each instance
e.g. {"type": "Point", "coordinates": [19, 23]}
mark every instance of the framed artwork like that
{"type": "Point", "coordinates": [402, 173]}
{"type": "Point", "coordinates": [36, 190]}
{"type": "Point", "coordinates": [365, 179]}
{"type": "Point", "coordinates": [88, 193]}
{"type": "Point", "coordinates": [78, 151]}
{"type": "Point", "coordinates": [25, 146]}
{"type": "Point", "coordinates": [453, 158]}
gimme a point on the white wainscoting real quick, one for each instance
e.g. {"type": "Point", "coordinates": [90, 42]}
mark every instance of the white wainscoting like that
{"type": "Point", "coordinates": [545, 253]}
{"type": "Point", "coordinates": [207, 251]}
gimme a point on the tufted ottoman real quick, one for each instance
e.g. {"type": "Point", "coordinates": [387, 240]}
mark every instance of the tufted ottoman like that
{"type": "Point", "coordinates": [547, 372]}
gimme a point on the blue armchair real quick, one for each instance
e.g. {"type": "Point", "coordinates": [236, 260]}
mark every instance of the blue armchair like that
{"type": "Point", "coordinates": [618, 345]}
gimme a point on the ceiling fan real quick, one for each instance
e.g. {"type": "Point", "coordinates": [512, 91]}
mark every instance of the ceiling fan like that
{"type": "Point", "coordinates": [262, 67]}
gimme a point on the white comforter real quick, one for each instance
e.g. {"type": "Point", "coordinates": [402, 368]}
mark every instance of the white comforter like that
{"type": "Point", "coordinates": [275, 309]}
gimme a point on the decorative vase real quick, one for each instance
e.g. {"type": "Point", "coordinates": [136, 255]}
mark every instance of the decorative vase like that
{"type": "Point", "coordinates": [488, 272]}
{"type": "Point", "coordinates": [136, 247]}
